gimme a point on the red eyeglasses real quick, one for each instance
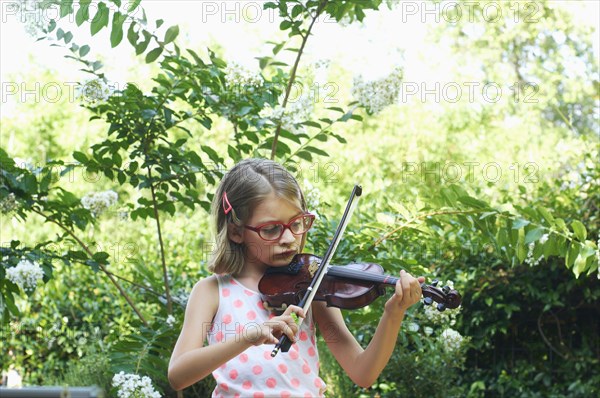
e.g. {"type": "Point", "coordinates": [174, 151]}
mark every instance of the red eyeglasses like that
{"type": "Point", "coordinates": [274, 230]}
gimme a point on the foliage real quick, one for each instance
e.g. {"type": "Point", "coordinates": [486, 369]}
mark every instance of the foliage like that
{"type": "Point", "coordinates": [163, 151]}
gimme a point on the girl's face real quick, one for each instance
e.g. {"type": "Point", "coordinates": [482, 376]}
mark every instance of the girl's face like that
{"type": "Point", "coordinates": [271, 253]}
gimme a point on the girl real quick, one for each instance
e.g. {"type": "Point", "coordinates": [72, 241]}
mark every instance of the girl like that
{"type": "Point", "coordinates": [261, 221]}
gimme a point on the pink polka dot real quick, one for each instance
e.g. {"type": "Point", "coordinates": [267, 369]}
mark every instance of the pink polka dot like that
{"type": "Point", "coordinates": [232, 281]}
{"type": "Point", "coordinates": [308, 395]}
{"type": "Point", "coordinates": [257, 369]}
{"type": "Point", "coordinates": [295, 347]}
{"type": "Point", "coordinates": [247, 385]}
{"type": "Point", "coordinates": [318, 364]}
{"type": "Point", "coordinates": [238, 303]}
{"type": "Point", "coordinates": [282, 368]}
{"type": "Point", "coordinates": [271, 316]}
{"type": "Point", "coordinates": [286, 394]}
{"type": "Point", "coordinates": [233, 374]}
{"type": "Point", "coordinates": [219, 336]}
{"type": "Point", "coordinates": [318, 383]}
{"type": "Point", "coordinates": [267, 355]}
{"type": "Point", "coordinates": [239, 329]}
{"type": "Point", "coordinates": [248, 292]}
{"type": "Point", "coordinates": [224, 386]}
{"type": "Point", "coordinates": [237, 396]}
{"type": "Point", "coordinates": [226, 292]}
{"type": "Point", "coordinates": [244, 358]}
{"type": "Point", "coordinates": [223, 366]}
{"type": "Point", "coordinates": [303, 336]}
{"type": "Point", "coordinates": [271, 382]}
{"type": "Point", "coordinates": [295, 382]}
{"type": "Point", "coordinates": [260, 305]}
{"type": "Point", "coordinates": [294, 354]}
{"type": "Point", "coordinates": [311, 351]}
{"type": "Point", "coordinates": [306, 368]}
{"type": "Point", "coordinates": [227, 319]}
{"type": "Point", "coordinates": [251, 315]}
{"type": "Point", "coordinates": [259, 394]}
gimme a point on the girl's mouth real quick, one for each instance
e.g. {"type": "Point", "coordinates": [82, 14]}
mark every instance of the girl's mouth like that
{"type": "Point", "coordinates": [287, 253]}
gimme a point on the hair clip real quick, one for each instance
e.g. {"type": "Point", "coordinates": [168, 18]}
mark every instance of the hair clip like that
{"type": "Point", "coordinates": [227, 208]}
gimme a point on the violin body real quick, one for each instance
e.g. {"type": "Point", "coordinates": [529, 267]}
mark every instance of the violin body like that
{"type": "Point", "coordinates": [350, 286]}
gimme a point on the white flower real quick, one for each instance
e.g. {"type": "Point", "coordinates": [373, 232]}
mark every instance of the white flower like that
{"type": "Point", "coordinates": [32, 14]}
{"type": "Point", "coordinates": [530, 260]}
{"type": "Point", "coordinates": [8, 204]}
{"type": "Point", "coordinates": [133, 386]}
{"type": "Point", "coordinates": [239, 77]}
{"type": "Point", "coordinates": [544, 239]}
{"type": "Point", "coordinates": [98, 202]}
{"type": "Point", "coordinates": [170, 320]}
{"type": "Point", "coordinates": [312, 195]}
{"type": "Point", "coordinates": [413, 327]}
{"type": "Point", "coordinates": [95, 90]}
{"type": "Point", "coordinates": [452, 339]}
{"type": "Point", "coordinates": [297, 111]}
{"type": "Point", "coordinates": [26, 275]}
{"type": "Point", "coordinates": [377, 94]}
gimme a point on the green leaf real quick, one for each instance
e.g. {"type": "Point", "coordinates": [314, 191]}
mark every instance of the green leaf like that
{"type": "Point", "coordinates": [519, 223]}
{"type": "Point", "coordinates": [533, 235]}
{"type": "Point", "coordinates": [316, 150]}
{"type": "Point", "coordinates": [171, 34]}
{"type": "Point", "coordinates": [572, 254]}
{"type": "Point", "coordinates": [100, 20]}
{"type": "Point", "coordinates": [579, 230]}
{"type": "Point", "coordinates": [80, 157]}
{"type": "Point", "coordinates": [100, 257]}
{"type": "Point", "coordinates": [134, 4]}
{"type": "Point", "coordinates": [116, 34]}
{"type": "Point", "coordinates": [142, 46]}
{"type": "Point", "coordinates": [83, 13]}
{"type": "Point", "coordinates": [153, 55]}
{"type": "Point", "coordinates": [84, 50]}
{"type": "Point", "coordinates": [132, 35]}
{"type": "Point", "coordinates": [66, 7]}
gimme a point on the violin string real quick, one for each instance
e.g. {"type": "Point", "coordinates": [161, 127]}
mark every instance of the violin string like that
{"type": "Point", "coordinates": [343, 271]}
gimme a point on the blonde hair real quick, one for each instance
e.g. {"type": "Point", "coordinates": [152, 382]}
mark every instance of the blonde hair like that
{"type": "Point", "coordinates": [247, 184]}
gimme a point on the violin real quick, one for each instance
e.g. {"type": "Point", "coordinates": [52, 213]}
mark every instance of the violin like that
{"type": "Point", "coordinates": [348, 287]}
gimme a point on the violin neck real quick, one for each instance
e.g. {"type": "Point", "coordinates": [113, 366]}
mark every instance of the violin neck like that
{"type": "Point", "coordinates": [349, 273]}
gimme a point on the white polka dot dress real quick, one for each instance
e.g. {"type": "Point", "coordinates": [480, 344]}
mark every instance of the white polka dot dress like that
{"type": "Point", "coordinates": [254, 373]}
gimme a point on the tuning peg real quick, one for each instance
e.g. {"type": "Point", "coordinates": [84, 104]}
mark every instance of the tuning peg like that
{"type": "Point", "coordinates": [441, 307]}
{"type": "Point", "coordinates": [427, 301]}
{"type": "Point", "coordinates": [434, 282]}
{"type": "Point", "coordinates": [446, 289]}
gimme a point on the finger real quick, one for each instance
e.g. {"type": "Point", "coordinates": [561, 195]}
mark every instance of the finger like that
{"type": "Point", "coordinates": [295, 309]}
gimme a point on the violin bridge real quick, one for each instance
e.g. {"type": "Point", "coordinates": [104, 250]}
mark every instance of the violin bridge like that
{"type": "Point", "coordinates": [313, 267]}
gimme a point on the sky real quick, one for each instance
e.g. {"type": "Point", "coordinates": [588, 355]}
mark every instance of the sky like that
{"type": "Point", "coordinates": [372, 49]}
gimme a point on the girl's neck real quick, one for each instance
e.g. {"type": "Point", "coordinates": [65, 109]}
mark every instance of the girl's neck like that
{"type": "Point", "coordinates": [250, 275]}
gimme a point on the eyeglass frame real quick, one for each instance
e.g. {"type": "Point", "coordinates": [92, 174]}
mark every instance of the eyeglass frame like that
{"type": "Point", "coordinates": [284, 225]}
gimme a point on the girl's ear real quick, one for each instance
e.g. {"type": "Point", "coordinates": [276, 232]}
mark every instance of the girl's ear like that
{"type": "Point", "coordinates": [235, 233]}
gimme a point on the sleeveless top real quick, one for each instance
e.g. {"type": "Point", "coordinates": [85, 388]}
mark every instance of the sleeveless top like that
{"type": "Point", "coordinates": [254, 373]}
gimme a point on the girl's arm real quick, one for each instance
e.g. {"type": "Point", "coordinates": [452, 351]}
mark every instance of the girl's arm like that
{"type": "Point", "coordinates": [191, 361]}
{"type": "Point", "coordinates": [363, 366]}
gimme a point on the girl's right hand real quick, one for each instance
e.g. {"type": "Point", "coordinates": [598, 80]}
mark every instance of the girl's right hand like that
{"type": "Point", "coordinates": [271, 331]}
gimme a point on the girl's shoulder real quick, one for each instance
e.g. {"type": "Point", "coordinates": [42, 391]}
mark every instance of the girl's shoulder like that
{"type": "Point", "coordinates": [206, 293]}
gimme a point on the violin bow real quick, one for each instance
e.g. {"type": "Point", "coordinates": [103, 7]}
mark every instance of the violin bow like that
{"type": "Point", "coordinates": [285, 343]}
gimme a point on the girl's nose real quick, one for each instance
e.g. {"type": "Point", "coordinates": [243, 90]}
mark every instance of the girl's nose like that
{"type": "Point", "coordinates": [287, 237]}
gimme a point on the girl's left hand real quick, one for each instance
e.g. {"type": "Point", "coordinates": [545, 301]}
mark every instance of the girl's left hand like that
{"type": "Point", "coordinates": [408, 292]}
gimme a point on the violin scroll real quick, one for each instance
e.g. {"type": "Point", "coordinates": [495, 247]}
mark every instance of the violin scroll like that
{"type": "Point", "coordinates": [444, 297]}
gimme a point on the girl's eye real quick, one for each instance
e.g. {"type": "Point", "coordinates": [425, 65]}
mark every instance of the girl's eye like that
{"type": "Point", "coordinates": [271, 230]}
